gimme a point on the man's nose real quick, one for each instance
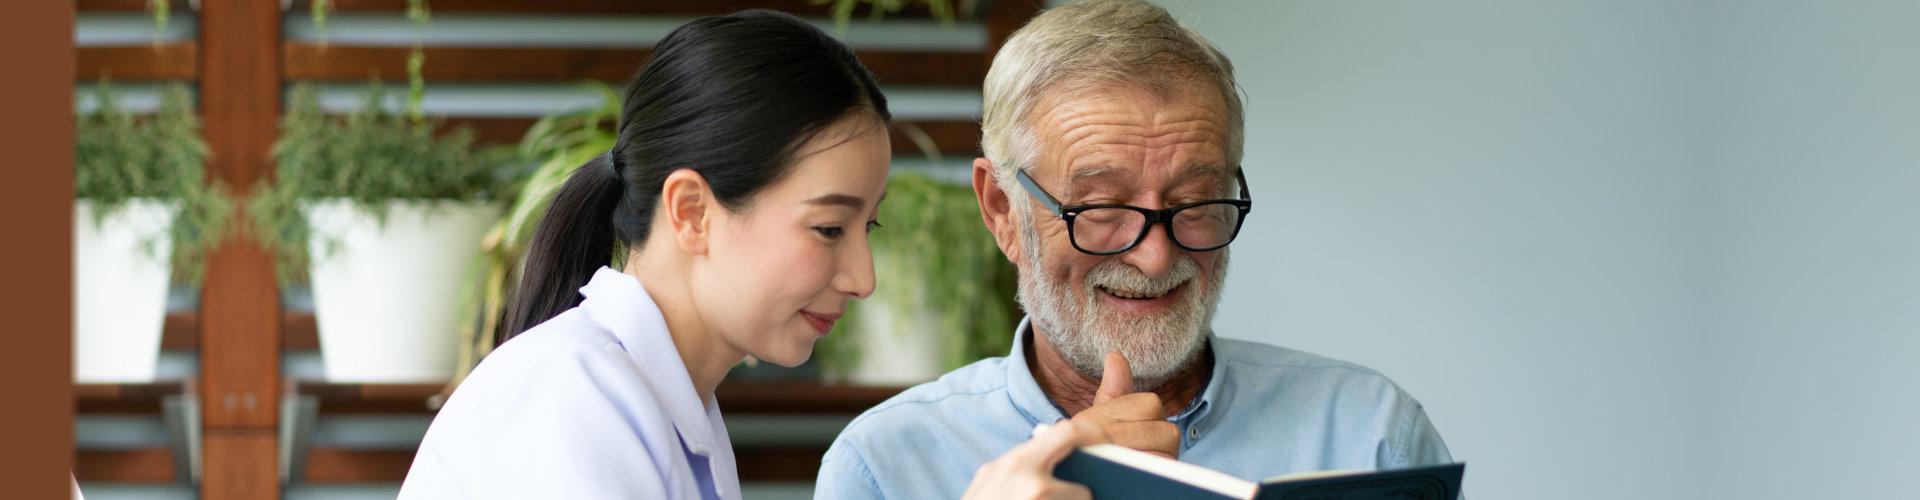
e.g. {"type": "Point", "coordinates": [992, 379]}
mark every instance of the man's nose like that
{"type": "Point", "coordinates": [1155, 253]}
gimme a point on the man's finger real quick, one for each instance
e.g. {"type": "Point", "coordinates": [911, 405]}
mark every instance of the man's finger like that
{"type": "Point", "coordinates": [1160, 437]}
{"type": "Point", "coordinates": [1117, 381]}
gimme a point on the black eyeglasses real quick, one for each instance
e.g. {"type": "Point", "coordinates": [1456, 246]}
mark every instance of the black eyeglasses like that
{"type": "Point", "coordinates": [1110, 229]}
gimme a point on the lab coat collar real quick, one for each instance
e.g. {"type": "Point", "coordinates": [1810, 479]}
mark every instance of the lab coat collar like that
{"type": "Point", "coordinates": [619, 303]}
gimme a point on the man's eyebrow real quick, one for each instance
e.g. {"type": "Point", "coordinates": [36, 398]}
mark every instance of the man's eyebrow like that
{"type": "Point", "coordinates": [1199, 169]}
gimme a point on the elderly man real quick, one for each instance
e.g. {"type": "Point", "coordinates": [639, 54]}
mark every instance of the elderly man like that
{"type": "Point", "coordinates": [1112, 180]}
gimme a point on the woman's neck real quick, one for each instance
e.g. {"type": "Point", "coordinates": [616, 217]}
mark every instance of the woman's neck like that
{"type": "Point", "coordinates": [706, 355]}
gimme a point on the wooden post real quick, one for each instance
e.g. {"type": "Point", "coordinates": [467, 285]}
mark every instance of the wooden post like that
{"type": "Point", "coordinates": [240, 302]}
{"type": "Point", "coordinates": [36, 433]}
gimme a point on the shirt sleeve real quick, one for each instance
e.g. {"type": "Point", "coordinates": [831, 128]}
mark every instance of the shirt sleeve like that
{"type": "Point", "coordinates": [1415, 443]}
{"type": "Point", "coordinates": [844, 475]}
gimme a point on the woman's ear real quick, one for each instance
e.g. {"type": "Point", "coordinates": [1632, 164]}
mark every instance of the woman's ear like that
{"type": "Point", "coordinates": [686, 200]}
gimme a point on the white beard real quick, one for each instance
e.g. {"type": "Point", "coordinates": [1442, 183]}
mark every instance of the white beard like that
{"type": "Point", "coordinates": [1083, 331]}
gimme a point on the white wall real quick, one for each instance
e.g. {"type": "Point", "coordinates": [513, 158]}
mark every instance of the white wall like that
{"type": "Point", "coordinates": [1621, 249]}
{"type": "Point", "coordinates": [1490, 202]}
{"type": "Point", "coordinates": [1815, 163]}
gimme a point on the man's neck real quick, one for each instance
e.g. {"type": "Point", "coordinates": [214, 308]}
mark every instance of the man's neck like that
{"type": "Point", "coordinates": [1074, 391]}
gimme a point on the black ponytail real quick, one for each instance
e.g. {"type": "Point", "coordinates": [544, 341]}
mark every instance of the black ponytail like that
{"type": "Point", "coordinates": [730, 97]}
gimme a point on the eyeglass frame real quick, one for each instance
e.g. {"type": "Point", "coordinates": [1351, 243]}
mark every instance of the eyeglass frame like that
{"type": "Point", "coordinates": [1162, 217]}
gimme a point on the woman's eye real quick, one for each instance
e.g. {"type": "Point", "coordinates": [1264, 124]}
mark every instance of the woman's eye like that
{"type": "Point", "coordinates": [874, 224]}
{"type": "Point", "coordinates": [831, 232]}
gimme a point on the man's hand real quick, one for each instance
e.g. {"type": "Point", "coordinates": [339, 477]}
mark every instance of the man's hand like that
{"type": "Point", "coordinates": [1131, 419]}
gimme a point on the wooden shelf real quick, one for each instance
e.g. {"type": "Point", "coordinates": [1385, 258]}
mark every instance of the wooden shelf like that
{"type": "Point", "coordinates": [756, 463]}
{"type": "Point", "coordinates": [297, 331]}
{"type": "Point", "coordinates": [957, 138]}
{"type": "Point", "coordinates": [126, 397]}
{"type": "Point", "coordinates": [173, 61]}
{"type": "Point", "coordinates": [355, 398]}
{"type": "Point", "coordinates": [634, 7]}
{"type": "Point", "coordinates": [126, 5]}
{"type": "Point", "coordinates": [171, 400]}
{"type": "Point", "coordinates": [736, 397]}
{"type": "Point", "coordinates": [151, 465]}
{"type": "Point", "coordinates": [340, 465]}
{"type": "Point", "coordinates": [492, 64]}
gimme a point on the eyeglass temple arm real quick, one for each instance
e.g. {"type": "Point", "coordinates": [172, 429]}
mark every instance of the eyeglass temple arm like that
{"type": "Point", "coordinates": [1241, 174]}
{"type": "Point", "coordinates": [1053, 205]}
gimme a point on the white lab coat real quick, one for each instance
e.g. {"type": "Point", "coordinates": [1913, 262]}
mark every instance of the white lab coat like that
{"type": "Point", "coordinates": [593, 404]}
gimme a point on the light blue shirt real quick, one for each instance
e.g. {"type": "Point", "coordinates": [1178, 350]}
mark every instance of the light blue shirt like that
{"type": "Point", "coordinates": [594, 403]}
{"type": "Point", "coordinates": [1266, 411]}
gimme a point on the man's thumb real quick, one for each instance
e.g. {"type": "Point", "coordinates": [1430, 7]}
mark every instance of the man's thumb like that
{"type": "Point", "coordinates": [1117, 381]}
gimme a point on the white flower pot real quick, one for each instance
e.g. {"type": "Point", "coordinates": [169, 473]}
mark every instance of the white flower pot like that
{"type": "Point", "coordinates": [899, 342]}
{"type": "Point", "coordinates": [386, 298]}
{"type": "Point", "coordinates": [121, 271]}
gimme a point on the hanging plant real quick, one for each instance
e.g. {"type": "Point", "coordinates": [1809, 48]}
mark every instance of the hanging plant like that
{"type": "Point", "coordinates": [842, 10]}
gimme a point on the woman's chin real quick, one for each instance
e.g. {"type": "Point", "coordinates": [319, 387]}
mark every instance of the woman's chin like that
{"type": "Point", "coordinates": [789, 358]}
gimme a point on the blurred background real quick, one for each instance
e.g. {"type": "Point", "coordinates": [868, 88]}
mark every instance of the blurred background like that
{"type": "Point", "coordinates": [1619, 249]}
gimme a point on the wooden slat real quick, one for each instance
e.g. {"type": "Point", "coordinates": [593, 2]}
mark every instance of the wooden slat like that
{"type": "Point", "coordinates": [781, 464]}
{"type": "Point", "coordinates": [1005, 17]}
{"type": "Point", "coordinates": [479, 64]}
{"type": "Point", "coordinates": [126, 5]}
{"type": "Point", "coordinates": [635, 7]}
{"type": "Point", "coordinates": [352, 398]}
{"type": "Point", "coordinates": [298, 332]}
{"type": "Point", "coordinates": [334, 465]}
{"type": "Point", "coordinates": [173, 61]}
{"type": "Point", "coordinates": [492, 131]}
{"type": "Point", "coordinates": [138, 465]}
{"type": "Point", "coordinates": [125, 398]}
{"type": "Point", "coordinates": [956, 138]}
{"type": "Point", "coordinates": [337, 465]}
{"type": "Point", "coordinates": [798, 397]}
{"type": "Point", "coordinates": [959, 138]}
{"type": "Point", "coordinates": [181, 331]}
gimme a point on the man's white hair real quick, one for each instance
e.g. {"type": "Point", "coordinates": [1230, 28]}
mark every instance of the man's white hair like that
{"type": "Point", "coordinates": [1091, 44]}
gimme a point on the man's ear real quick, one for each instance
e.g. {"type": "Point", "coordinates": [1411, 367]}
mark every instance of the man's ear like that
{"type": "Point", "coordinates": [686, 200]}
{"type": "Point", "coordinates": [995, 209]}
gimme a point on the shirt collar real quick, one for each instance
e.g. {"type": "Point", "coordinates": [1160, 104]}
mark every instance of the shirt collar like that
{"type": "Point", "coordinates": [620, 304]}
{"type": "Point", "coordinates": [1038, 407]}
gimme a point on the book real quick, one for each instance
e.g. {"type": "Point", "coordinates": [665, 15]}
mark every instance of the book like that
{"type": "Point", "coordinates": [1115, 472]}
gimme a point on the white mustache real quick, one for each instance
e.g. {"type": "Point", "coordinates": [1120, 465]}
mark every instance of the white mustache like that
{"type": "Point", "coordinates": [1119, 276]}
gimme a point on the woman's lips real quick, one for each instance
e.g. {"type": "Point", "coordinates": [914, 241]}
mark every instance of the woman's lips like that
{"type": "Point", "coordinates": [821, 323]}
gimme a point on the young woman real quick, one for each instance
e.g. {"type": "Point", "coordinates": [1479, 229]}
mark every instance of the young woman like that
{"type": "Point", "coordinates": [751, 160]}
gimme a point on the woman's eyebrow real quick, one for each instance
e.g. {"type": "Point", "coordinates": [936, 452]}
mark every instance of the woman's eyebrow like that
{"type": "Point", "coordinates": [849, 201]}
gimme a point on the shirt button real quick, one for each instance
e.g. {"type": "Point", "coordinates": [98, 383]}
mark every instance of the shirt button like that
{"type": "Point", "coordinates": [1193, 432]}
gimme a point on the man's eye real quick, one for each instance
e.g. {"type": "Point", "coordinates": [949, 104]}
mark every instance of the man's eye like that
{"type": "Point", "coordinates": [831, 232]}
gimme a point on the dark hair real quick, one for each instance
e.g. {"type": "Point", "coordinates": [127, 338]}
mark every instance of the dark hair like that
{"type": "Point", "coordinates": [730, 97]}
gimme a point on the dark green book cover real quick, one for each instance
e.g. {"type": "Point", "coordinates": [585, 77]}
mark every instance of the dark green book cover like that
{"type": "Point", "coordinates": [1104, 472]}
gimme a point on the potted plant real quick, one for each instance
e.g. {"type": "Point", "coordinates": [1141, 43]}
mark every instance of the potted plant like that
{"type": "Point", "coordinates": [379, 213]}
{"type": "Point", "coordinates": [945, 294]}
{"type": "Point", "coordinates": [143, 215]}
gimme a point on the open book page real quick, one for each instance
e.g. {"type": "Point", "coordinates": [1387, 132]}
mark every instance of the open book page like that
{"type": "Point", "coordinates": [1315, 474]}
{"type": "Point", "coordinates": [1208, 479]}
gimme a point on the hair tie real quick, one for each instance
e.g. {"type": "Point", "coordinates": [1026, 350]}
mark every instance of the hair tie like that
{"type": "Point", "coordinates": [613, 163]}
